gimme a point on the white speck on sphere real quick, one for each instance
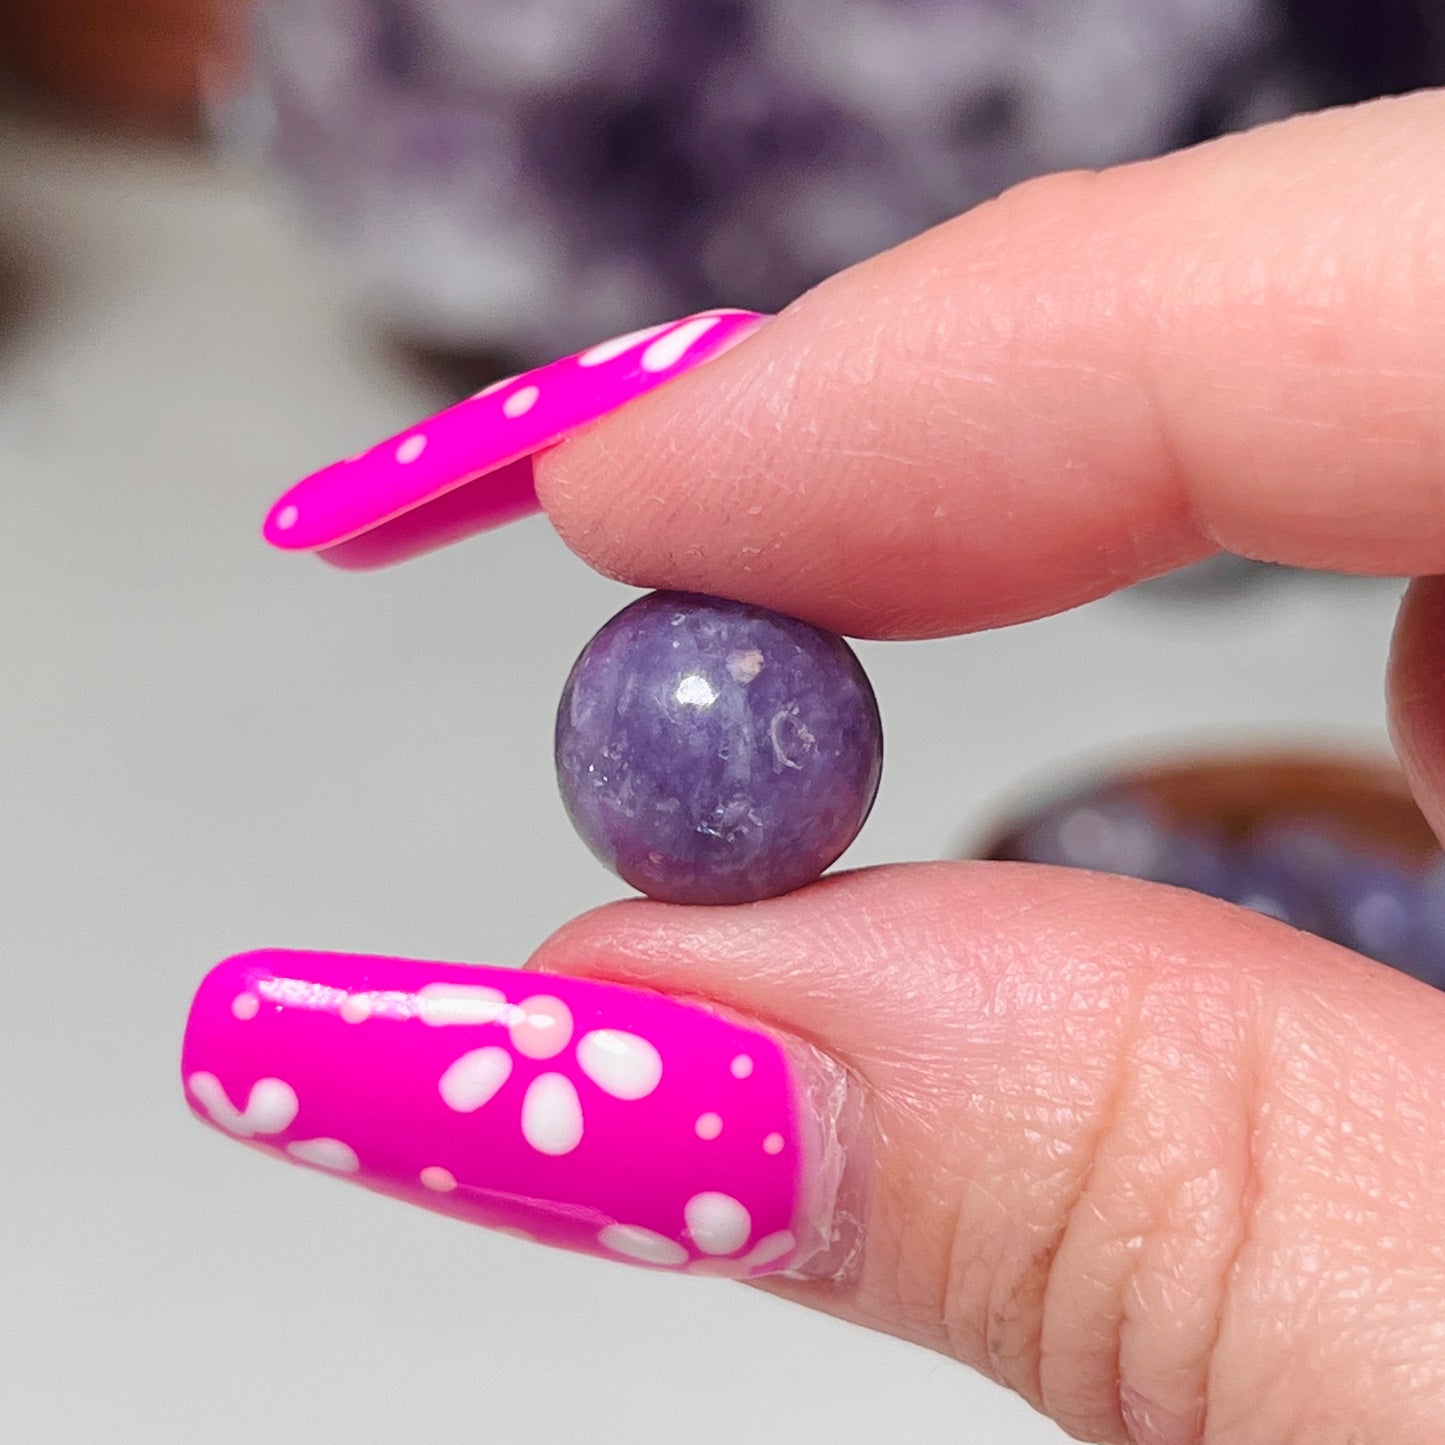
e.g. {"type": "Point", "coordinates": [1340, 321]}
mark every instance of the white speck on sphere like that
{"type": "Point", "coordinates": [620, 1064]}
{"type": "Point", "coordinates": [695, 691]}
{"type": "Point", "coordinates": [411, 448]}
{"type": "Point", "coordinates": [709, 1126]}
{"type": "Point", "coordinates": [717, 1223]}
{"type": "Point", "coordinates": [741, 1066]}
{"type": "Point", "coordinates": [773, 1144]}
{"type": "Point", "coordinates": [800, 731]}
{"type": "Point", "coordinates": [245, 1006]}
{"type": "Point", "coordinates": [745, 666]}
{"type": "Point", "coordinates": [642, 1244]}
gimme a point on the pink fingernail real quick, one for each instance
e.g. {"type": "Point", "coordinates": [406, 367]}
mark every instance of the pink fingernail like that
{"type": "Point", "coordinates": [469, 468]}
{"type": "Point", "coordinates": [584, 1115]}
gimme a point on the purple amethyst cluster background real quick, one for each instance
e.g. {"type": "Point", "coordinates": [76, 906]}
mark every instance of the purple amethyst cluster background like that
{"type": "Point", "coordinates": [521, 177]}
{"type": "Point", "coordinates": [1303, 870]}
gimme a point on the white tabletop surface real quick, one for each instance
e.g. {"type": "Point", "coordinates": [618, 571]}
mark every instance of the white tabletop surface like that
{"type": "Point", "coordinates": [206, 746]}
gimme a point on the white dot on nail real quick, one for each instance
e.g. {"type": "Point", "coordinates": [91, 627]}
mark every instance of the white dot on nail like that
{"type": "Point", "coordinates": [287, 518]}
{"type": "Point", "coordinates": [270, 1106]}
{"type": "Point", "coordinates": [668, 350]}
{"type": "Point", "coordinates": [411, 448]}
{"type": "Point", "coordinates": [708, 1126]}
{"type": "Point", "coordinates": [742, 1066]}
{"type": "Point", "coordinates": [520, 402]}
{"type": "Point", "coordinates": [443, 1004]}
{"type": "Point", "coordinates": [620, 1064]}
{"type": "Point", "coordinates": [325, 1154]}
{"type": "Point", "coordinates": [773, 1144]}
{"type": "Point", "coordinates": [619, 345]}
{"type": "Point", "coordinates": [355, 1008]}
{"type": "Point", "coordinates": [715, 1268]}
{"type": "Point", "coordinates": [642, 1244]}
{"type": "Point", "coordinates": [245, 1006]}
{"type": "Point", "coordinates": [717, 1223]}
{"type": "Point", "coordinates": [552, 1115]}
{"type": "Point", "coordinates": [770, 1249]}
{"type": "Point", "coordinates": [494, 387]}
{"type": "Point", "coordinates": [542, 1027]}
{"type": "Point", "coordinates": [441, 1181]}
{"type": "Point", "coordinates": [474, 1079]}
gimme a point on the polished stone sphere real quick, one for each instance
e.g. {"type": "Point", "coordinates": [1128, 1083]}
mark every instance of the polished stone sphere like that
{"type": "Point", "coordinates": [714, 752]}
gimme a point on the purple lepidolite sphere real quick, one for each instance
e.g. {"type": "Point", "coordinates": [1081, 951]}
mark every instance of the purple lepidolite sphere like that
{"type": "Point", "coordinates": [713, 752]}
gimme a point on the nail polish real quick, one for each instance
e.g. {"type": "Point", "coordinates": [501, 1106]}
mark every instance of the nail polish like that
{"type": "Point", "coordinates": [469, 468]}
{"type": "Point", "coordinates": [589, 1116]}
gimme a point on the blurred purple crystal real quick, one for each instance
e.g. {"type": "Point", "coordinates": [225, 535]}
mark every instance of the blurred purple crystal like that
{"type": "Point", "coordinates": [1378, 911]}
{"type": "Point", "coordinates": [1103, 833]}
{"type": "Point", "coordinates": [1300, 871]}
{"type": "Point", "coordinates": [1267, 884]}
{"type": "Point", "coordinates": [714, 752]}
{"type": "Point", "coordinates": [525, 176]}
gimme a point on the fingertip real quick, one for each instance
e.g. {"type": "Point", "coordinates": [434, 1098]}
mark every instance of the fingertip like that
{"type": "Point", "coordinates": [1092, 380]}
{"type": "Point", "coordinates": [1416, 688]}
{"type": "Point", "coordinates": [1112, 1125]}
{"type": "Point", "coordinates": [649, 493]}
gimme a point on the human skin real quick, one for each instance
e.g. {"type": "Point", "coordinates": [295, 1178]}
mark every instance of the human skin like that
{"type": "Point", "coordinates": [1172, 1171]}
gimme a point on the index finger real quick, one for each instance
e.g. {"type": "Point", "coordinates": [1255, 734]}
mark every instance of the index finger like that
{"type": "Point", "coordinates": [1092, 380]}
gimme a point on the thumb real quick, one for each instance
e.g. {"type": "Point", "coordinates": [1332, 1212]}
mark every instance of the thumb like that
{"type": "Point", "coordinates": [1171, 1170]}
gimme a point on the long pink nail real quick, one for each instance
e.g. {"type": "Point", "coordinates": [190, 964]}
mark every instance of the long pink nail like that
{"type": "Point", "coordinates": [585, 1115]}
{"type": "Point", "coordinates": [402, 497]}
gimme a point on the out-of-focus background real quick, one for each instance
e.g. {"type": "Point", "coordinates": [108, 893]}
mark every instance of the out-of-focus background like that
{"type": "Point", "coordinates": [236, 243]}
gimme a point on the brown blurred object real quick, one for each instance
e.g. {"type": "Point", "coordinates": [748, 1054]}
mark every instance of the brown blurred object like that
{"type": "Point", "coordinates": [1366, 800]}
{"type": "Point", "coordinates": [1236, 795]}
{"type": "Point", "coordinates": [133, 63]}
